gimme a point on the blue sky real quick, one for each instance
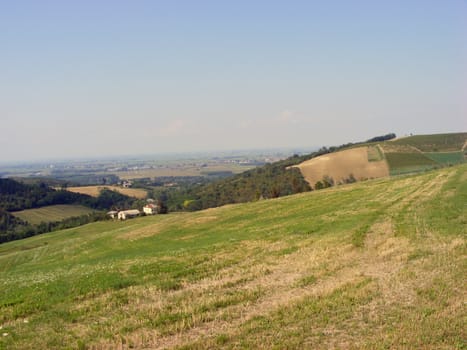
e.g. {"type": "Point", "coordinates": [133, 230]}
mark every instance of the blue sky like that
{"type": "Point", "coordinates": [95, 78]}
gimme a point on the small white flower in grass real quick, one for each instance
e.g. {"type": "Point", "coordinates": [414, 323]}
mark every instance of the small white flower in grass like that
{"type": "Point", "coordinates": [25, 321]}
{"type": "Point", "coordinates": [5, 334]}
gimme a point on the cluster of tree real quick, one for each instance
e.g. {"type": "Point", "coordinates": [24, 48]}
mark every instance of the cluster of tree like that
{"type": "Point", "coordinates": [108, 199]}
{"type": "Point", "coordinates": [170, 181]}
{"type": "Point", "coordinates": [328, 181]}
{"type": "Point", "coordinates": [10, 226]}
{"type": "Point", "coordinates": [382, 138]}
{"type": "Point", "coordinates": [15, 196]}
{"type": "Point", "coordinates": [269, 181]}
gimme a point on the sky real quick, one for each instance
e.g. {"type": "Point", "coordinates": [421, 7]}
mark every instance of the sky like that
{"type": "Point", "coordinates": [109, 77]}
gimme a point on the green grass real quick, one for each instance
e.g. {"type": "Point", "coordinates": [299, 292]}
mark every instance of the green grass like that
{"type": "Point", "coordinates": [372, 265]}
{"type": "Point", "coordinates": [375, 154]}
{"type": "Point", "coordinates": [401, 163]}
{"type": "Point", "coordinates": [52, 213]}
{"type": "Point", "coordinates": [435, 143]}
{"type": "Point", "coordinates": [423, 152]}
{"type": "Point", "coordinates": [449, 158]}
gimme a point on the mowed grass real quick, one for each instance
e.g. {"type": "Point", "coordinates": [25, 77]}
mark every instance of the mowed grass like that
{"type": "Point", "coordinates": [94, 191]}
{"type": "Point", "coordinates": [448, 158]}
{"type": "Point", "coordinates": [373, 265]}
{"type": "Point", "coordinates": [51, 213]}
{"type": "Point", "coordinates": [421, 152]}
{"type": "Point", "coordinates": [401, 163]}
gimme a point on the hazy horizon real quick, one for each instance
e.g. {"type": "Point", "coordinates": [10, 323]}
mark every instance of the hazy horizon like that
{"type": "Point", "coordinates": [163, 156]}
{"type": "Point", "coordinates": [111, 78]}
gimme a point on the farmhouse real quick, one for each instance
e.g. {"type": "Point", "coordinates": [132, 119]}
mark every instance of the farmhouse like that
{"type": "Point", "coordinates": [128, 214]}
{"type": "Point", "coordinates": [113, 214]}
{"type": "Point", "coordinates": [150, 209]}
{"type": "Point", "coordinates": [127, 184]}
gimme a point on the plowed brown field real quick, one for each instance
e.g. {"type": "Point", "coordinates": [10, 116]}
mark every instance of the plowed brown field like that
{"type": "Point", "coordinates": [341, 164]}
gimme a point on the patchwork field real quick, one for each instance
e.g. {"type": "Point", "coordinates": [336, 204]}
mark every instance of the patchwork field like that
{"type": "Point", "coordinates": [361, 162]}
{"type": "Point", "coordinates": [51, 213]}
{"type": "Point", "coordinates": [182, 170]}
{"type": "Point", "coordinates": [394, 157]}
{"type": "Point", "coordinates": [419, 153]}
{"type": "Point", "coordinates": [94, 191]}
{"type": "Point", "coordinates": [434, 143]}
{"type": "Point", "coordinates": [402, 162]}
{"type": "Point", "coordinates": [446, 157]}
{"type": "Point", "coordinates": [371, 265]}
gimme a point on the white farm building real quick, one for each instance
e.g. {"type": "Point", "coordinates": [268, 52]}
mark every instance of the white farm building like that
{"type": "Point", "coordinates": [150, 209]}
{"type": "Point", "coordinates": [127, 214]}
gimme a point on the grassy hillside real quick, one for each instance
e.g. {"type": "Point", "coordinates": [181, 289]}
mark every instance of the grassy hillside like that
{"type": "Point", "coordinates": [388, 157]}
{"type": "Point", "coordinates": [435, 142]}
{"type": "Point", "coordinates": [52, 213]}
{"type": "Point", "coordinates": [375, 265]}
{"type": "Point", "coordinates": [422, 152]}
{"type": "Point", "coordinates": [348, 165]}
{"type": "Point", "coordinates": [408, 162]}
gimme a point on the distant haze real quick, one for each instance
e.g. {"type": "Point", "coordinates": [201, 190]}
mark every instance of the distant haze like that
{"type": "Point", "coordinates": [96, 78]}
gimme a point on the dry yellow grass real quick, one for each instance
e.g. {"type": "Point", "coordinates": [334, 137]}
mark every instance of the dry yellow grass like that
{"type": "Point", "coordinates": [94, 191]}
{"type": "Point", "coordinates": [341, 164]}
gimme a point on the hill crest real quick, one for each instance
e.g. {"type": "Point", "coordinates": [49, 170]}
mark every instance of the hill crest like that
{"type": "Point", "coordinates": [390, 157]}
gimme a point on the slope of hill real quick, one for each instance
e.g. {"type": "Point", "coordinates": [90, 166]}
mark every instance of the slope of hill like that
{"type": "Point", "coordinates": [344, 166]}
{"type": "Point", "coordinates": [52, 213]}
{"type": "Point", "coordinates": [394, 157]}
{"type": "Point", "coordinates": [421, 152]}
{"type": "Point", "coordinates": [452, 142]}
{"type": "Point", "coordinates": [375, 265]}
{"type": "Point", "coordinates": [268, 181]}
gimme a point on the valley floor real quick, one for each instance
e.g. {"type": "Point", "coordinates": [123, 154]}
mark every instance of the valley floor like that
{"type": "Point", "coordinates": [372, 265]}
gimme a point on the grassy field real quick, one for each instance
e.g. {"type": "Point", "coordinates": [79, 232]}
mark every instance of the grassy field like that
{"type": "Point", "coordinates": [94, 191]}
{"type": "Point", "coordinates": [51, 213]}
{"type": "Point", "coordinates": [401, 163]}
{"type": "Point", "coordinates": [446, 157]}
{"type": "Point", "coordinates": [372, 265]}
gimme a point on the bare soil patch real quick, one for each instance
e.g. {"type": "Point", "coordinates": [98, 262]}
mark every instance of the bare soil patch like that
{"type": "Point", "coordinates": [341, 165]}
